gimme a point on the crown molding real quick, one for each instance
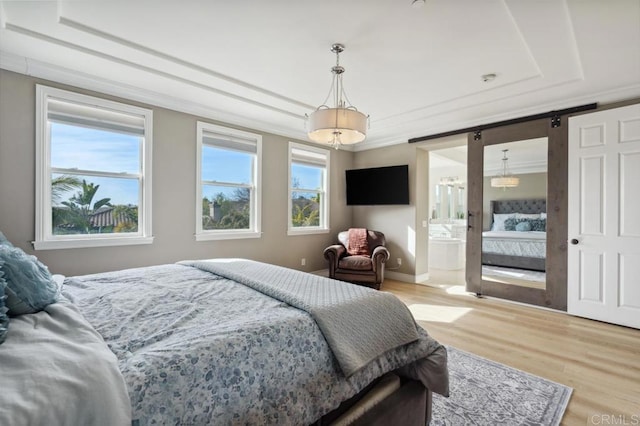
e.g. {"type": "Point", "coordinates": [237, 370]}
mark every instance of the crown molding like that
{"type": "Point", "coordinates": [46, 71]}
{"type": "Point", "coordinates": [601, 97]}
{"type": "Point", "coordinates": [519, 168]}
{"type": "Point", "coordinates": [34, 68]}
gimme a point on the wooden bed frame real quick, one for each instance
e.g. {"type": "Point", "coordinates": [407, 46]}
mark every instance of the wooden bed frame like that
{"type": "Point", "coordinates": [409, 405]}
{"type": "Point", "coordinates": [528, 206]}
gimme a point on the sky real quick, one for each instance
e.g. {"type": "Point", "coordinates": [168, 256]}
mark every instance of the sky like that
{"type": "Point", "coordinates": [91, 149]}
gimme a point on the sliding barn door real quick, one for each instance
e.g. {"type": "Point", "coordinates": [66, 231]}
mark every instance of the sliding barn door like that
{"type": "Point", "coordinates": [604, 216]}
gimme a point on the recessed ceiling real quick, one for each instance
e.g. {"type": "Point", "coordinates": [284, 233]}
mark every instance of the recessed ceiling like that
{"type": "Point", "coordinates": [448, 157]}
{"type": "Point", "coordinates": [264, 65]}
{"type": "Point", "coordinates": [526, 156]}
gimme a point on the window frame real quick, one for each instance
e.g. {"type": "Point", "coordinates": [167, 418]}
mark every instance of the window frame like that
{"type": "Point", "coordinates": [255, 207]}
{"type": "Point", "coordinates": [324, 226]}
{"type": "Point", "coordinates": [45, 239]}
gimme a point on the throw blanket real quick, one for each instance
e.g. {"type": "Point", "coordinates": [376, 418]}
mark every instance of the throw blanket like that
{"type": "Point", "coordinates": [358, 323]}
{"type": "Point", "coordinates": [357, 242]}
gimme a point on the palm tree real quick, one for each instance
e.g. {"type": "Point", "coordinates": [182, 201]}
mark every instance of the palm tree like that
{"type": "Point", "coordinates": [59, 186]}
{"type": "Point", "coordinates": [80, 206]}
{"type": "Point", "coordinates": [307, 215]}
{"type": "Point", "coordinates": [127, 218]}
{"type": "Point", "coordinates": [63, 184]}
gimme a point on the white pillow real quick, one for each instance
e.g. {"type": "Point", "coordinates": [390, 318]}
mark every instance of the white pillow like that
{"type": "Point", "coordinates": [543, 215]}
{"type": "Point", "coordinates": [498, 220]}
{"type": "Point", "coordinates": [527, 215]}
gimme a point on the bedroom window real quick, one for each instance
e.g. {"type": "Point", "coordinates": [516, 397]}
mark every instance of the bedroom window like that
{"type": "Point", "coordinates": [308, 189]}
{"type": "Point", "coordinates": [93, 171]}
{"type": "Point", "coordinates": [228, 196]}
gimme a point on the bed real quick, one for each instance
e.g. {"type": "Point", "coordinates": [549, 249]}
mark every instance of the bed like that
{"type": "Point", "coordinates": [222, 341]}
{"type": "Point", "coordinates": [517, 236]}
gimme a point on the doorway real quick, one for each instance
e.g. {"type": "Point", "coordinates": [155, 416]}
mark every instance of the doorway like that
{"type": "Point", "coordinates": [447, 221]}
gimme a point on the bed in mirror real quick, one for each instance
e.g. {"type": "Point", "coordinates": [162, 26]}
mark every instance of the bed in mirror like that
{"type": "Point", "coordinates": [514, 248]}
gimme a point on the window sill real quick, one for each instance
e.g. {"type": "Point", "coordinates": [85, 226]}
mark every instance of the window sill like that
{"type": "Point", "coordinates": [307, 231]}
{"type": "Point", "coordinates": [237, 235]}
{"type": "Point", "coordinates": [86, 242]}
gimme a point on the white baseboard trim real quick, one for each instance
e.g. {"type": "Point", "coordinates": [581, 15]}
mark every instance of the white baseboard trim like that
{"type": "Point", "coordinates": [323, 272]}
{"type": "Point", "coordinates": [422, 277]}
{"type": "Point", "coordinates": [406, 278]}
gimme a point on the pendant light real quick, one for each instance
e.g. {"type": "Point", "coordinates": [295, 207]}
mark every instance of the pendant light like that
{"type": "Point", "coordinates": [505, 180]}
{"type": "Point", "coordinates": [341, 124]}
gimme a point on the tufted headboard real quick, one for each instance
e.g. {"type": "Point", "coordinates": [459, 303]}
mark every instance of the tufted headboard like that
{"type": "Point", "coordinates": [528, 206]}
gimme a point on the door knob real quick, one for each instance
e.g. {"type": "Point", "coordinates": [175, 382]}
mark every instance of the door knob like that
{"type": "Point", "coordinates": [574, 241]}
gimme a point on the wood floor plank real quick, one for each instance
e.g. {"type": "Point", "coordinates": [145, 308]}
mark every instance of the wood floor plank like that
{"type": "Point", "coordinates": [600, 361]}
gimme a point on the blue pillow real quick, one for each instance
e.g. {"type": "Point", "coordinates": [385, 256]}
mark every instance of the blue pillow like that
{"type": "Point", "coordinates": [536, 224]}
{"type": "Point", "coordinates": [539, 225]}
{"type": "Point", "coordinates": [523, 226]}
{"type": "Point", "coordinates": [4, 318]}
{"type": "Point", "coordinates": [510, 224]}
{"type": "Point", "coordinates": [30, 287]}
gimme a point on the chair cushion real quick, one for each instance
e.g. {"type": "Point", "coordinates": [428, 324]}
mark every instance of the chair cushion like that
{"type": "Point", "coordinates": [358, 263]}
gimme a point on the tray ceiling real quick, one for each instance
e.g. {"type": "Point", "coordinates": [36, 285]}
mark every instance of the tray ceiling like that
{"type": "Point", "coordinates": [263, 65]}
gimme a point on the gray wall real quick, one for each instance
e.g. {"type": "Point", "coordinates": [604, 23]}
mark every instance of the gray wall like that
{"type": "Point", "coordinates": [400, 224]}
{"type": "Point", "coordinates": [174, 156]}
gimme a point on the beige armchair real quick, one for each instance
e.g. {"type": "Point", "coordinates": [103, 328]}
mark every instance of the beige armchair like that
{"type": "Point", "coordinates": [358, 269]}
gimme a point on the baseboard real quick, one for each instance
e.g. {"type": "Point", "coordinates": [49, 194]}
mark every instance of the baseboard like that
{"type": "Point", "coordinates": [323, 272]}
{"type": "Point", "coordinates": [422, 277]}
{"type": "Point", "coordinates": [406, 278]}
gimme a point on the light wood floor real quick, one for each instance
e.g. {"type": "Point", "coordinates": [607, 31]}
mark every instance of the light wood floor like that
{"type": "Point", "coordinates": [600, 361]}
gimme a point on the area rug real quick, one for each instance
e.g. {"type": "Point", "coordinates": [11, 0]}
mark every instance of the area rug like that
{"type": "Point", "coordinates": [484, 392]}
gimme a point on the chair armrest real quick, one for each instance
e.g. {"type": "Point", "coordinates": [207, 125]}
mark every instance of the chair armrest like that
{"type": "Point", "coordinates": [379, 256]}
{"type": "Point", "coordinates": [334, 253]}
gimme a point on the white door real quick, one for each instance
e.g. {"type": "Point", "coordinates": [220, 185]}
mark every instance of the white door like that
{"type": "Point", "coordinates": [604, 216]}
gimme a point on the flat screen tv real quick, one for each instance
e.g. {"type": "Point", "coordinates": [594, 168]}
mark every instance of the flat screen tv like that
{"type": "Point", "coordinates": [378, 186]}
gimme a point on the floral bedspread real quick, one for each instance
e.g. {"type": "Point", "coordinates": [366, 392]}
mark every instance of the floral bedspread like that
{"type": "Point", "coordinates": [195, 348]}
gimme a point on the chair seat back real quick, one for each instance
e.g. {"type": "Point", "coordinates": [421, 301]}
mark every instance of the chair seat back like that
{"type": "Point", "coordinates": [374, 239]}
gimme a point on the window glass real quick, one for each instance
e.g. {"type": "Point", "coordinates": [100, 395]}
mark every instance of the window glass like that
{"type": "Point", "coordinates": [305, 209]}
{"type": "Point", "coordinates": [224, 165]}
{"type": "Point", "coordinates": [306, 177]}
{"type": "Point", "coordinates": [93, 204]}
{"type": "Point", "coordinates": [93, 179]}
{"type": "Point", "coordinates": [226, 208]}
{"type": "Point", "coordinates": [92, 149]}
{"type": "Point", "coordinates": [308, 189]}
{"type": "Point", "coordinates": [228, 190]}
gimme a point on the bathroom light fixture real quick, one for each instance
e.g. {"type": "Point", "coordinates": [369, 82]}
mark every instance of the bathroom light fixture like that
{"type": "Point", "coordinates": [342, 124]}
{"type": "Point", "coordinates": [450, 180]}
{"type": "Point", "coordinates": [505, 180]}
